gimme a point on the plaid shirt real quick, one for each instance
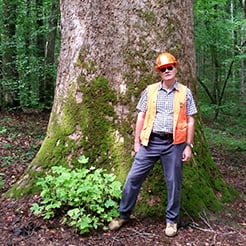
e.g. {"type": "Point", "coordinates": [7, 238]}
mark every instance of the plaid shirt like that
{"type": "Point", "coordinates": [164, 107]}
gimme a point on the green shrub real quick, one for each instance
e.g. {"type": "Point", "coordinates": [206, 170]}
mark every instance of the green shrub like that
{"type": "Point", "coordinates": [87, 198]}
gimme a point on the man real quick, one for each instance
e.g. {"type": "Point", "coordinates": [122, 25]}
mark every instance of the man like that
{"type": "Point", "coordinates": [165, 131]}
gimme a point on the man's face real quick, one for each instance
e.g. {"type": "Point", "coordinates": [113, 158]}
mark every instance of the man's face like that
{"type": "Point", "coordinates": [168, 72]}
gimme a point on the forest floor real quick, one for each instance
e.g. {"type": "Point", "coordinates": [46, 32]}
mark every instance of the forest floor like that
{"type": "Point", "coordinates": [20, 138]}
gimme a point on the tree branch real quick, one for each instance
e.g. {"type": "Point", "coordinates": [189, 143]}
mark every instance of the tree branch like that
{"type": "Point", "coordinates": [207, 91]}
{"type": "Point", "coordinates": [225, 82]}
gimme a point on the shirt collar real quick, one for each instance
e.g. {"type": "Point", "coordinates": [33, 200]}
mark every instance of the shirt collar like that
{"type": "Point", "coordinates": [175, 86]}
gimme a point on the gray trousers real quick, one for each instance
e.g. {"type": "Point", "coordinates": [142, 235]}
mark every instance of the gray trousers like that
{"type": "Point", "coordinates": [170, 156]}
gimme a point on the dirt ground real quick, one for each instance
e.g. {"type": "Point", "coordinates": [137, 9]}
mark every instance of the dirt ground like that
{"type": "Point", "coordinates": [18, 226]}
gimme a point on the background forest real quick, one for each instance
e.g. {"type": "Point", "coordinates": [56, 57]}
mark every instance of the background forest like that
{"type": "Point", "coordinates": [30, 36]}
{"type": "Point", "coordinates": [220, 32]}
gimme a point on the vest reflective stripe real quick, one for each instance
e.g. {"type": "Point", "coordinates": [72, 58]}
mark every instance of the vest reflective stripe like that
{"type": "Point", "coordinates": [179, 115]}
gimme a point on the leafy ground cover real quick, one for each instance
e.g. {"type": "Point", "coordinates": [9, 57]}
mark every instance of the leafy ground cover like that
{"type": "Point", "coordinates": [20, 138]}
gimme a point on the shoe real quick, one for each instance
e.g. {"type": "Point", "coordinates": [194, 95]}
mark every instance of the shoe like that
{"type": "Point", "coordinates": [171, 230]}
{"type": "Point", "coordinates": [116, 224]}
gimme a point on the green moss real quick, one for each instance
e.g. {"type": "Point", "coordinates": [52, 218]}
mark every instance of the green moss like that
{"type": "Point", "coordinates": [148, 16]}
{"type": "Point", "coordinates": [82, 63]}
{"type": "Point", "coordinates": [198, 192]}
{"type": "Point", "coordinates": [226, 193]}
{"type": "Point", "coordinates": [99, 126]}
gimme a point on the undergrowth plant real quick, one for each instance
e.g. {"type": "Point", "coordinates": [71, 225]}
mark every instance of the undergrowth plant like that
{"type": "Point", "coordinates": [86, 198]}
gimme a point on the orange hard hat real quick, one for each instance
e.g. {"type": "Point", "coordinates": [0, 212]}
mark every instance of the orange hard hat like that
{"type": "Point", "coordinates": [164, 59]}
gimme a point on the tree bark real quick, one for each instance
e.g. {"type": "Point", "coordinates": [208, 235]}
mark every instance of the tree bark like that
{"type": "Point", "coordinates": [107, 57]}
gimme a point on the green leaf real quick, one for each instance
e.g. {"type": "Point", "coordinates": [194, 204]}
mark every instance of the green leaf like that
{"type": "Point", "coordinates": [83, 160]}
{"type": "Point", "coordinates": [36, 209]}
{"type": "Point", "coordinates": [110, 203]}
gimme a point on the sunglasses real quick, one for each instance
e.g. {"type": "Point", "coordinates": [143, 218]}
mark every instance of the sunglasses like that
{"type": "Point", "coordinates": [163, 70]}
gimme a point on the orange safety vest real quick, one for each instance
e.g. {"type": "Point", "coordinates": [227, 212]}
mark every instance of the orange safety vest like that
{"type": "Point", "coordinates": [179, 115]}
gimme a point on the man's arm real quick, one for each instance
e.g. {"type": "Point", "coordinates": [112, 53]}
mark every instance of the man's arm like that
{"type": "Point", "coordinates": [190, 129]}
{"type": "Point", "coordinates": [190, 138]}
{"type": "Point", "coordinates": [138, 129]}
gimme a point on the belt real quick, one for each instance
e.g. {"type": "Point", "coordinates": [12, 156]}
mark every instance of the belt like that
{"type": "Point", "coordinates": [163, 135]}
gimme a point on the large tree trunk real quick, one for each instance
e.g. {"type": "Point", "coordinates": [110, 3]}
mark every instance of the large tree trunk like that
{"type": "Point", "coordinates": [107, 58]}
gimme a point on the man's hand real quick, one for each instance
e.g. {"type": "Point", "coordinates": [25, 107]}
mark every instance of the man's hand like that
{"type": "Point", "coordinates": [136, 146]}
{"type": "Point", "coordinates": [139, 126]}
{"type": "Point", "coordinates": [187, 153]}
